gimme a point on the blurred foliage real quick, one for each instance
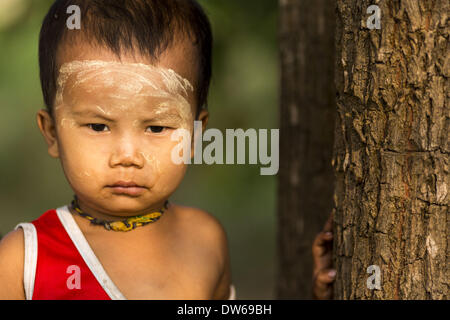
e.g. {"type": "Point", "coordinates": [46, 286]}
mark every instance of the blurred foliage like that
{"type": "Point", "coordinates": [243, 95]}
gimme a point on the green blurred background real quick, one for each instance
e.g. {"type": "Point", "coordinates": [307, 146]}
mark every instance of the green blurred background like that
{"type": "Point", "coordinates": [244, 94]}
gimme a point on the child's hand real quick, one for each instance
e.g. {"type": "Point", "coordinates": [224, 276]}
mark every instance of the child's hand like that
{"type": "Point", "coordinates": [323, 274]}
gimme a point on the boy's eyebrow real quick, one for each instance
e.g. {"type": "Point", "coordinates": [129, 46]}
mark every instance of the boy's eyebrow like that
{"type": "Point", "coordinates": [163, 116]}
{"type": "Point", "coordinates": [160, 116]}
{"type": "Point", "coordinates": [91, 113]}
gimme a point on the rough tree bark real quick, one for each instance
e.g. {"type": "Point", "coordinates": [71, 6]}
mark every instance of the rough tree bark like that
{"type": "Point", "coordinates": [391, 154]}
{"type": "Point", "coordinates": [305, 185]}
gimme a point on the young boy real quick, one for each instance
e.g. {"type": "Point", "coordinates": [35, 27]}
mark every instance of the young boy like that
{"type": "Point", "coordinates": [115, 91]}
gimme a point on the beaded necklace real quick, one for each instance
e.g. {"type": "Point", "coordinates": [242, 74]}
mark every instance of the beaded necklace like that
{"type": "Point", "coordinates": [125, 225]}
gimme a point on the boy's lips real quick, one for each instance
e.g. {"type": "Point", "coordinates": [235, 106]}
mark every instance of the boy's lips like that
{"type": "Point", "coordinates": [127, 187]}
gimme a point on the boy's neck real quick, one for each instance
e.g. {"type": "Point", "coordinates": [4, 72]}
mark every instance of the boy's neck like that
{"type": "Point", "coordinates": [114, 217]}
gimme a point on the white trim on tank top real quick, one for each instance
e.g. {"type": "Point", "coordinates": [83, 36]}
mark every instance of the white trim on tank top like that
{"type": "Point", "coordinates": [87, 253]}
{"type": "Point", "coordinates": [30, 261]}
{"type": "Point", "coordinates": [85, 250]}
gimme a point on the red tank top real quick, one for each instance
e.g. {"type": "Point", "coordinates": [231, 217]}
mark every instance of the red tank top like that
{"type": "Point", "coordinates": [61, 272]}
{"type": "Point", "coordinates": [60, 264]}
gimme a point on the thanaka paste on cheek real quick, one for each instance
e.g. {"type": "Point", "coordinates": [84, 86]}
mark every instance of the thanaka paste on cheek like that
{"type": "Point", "coordinates": [152, 161]}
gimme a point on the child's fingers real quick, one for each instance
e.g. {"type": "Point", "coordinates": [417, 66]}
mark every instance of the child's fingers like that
{"type": "Point", "coordinates": [323, 284]}
{"type": "Point", "coordinates": [325, 277]}
{"type": "Point", "coordinates": [320, 242]}
{"type": "Point", "coordinates": [328, 227]}
{"type": "Point", "coordinates": [326, 235]}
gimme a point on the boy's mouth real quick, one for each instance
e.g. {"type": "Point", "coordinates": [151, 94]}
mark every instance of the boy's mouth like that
{"type": "Point", "coordinates": [127, 187]}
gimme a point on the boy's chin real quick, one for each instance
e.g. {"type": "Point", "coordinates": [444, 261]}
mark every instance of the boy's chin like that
{"type": "Point", "coordinates": [119, 204]}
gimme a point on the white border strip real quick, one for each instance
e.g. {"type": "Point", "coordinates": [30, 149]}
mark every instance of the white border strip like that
{"type": "Point", "coordinates": [88, 255]}
{"type": "Point", "coordinates": [30, 262]}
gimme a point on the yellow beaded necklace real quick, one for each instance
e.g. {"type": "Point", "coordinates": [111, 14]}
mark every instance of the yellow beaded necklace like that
{"type": "Point", "coordinates": [128, 224]}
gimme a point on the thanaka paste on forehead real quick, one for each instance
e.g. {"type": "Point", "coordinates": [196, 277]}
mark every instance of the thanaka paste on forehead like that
{"type": "Point", "coordinates": [72, 123]}
{"type": "Point", "coordinates": [102, 111]}
{"type": "Point", "coordinates": [139, 75]}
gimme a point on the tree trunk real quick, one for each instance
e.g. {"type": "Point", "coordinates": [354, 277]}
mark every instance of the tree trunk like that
{"type": "Point", "coordinates": [391, 153]}
{"type": "Point", "coordinates": [307, 110]}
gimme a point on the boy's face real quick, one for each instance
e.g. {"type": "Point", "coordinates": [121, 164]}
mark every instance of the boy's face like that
{"type": "Point", "coordinates": [113, 121]}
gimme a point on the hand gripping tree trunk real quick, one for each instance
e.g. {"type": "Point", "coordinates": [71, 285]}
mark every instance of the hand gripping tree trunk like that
{"type": "Point", "coordinates": [391, 153]}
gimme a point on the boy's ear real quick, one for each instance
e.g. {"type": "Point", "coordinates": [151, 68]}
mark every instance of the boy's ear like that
{"type": "Point", "coordinates": [203, 117]}
{"type": "Point", "coordinates": [48, 130]}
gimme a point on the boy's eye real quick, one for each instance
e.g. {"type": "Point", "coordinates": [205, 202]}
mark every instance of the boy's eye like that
{"type": "Point", "coordinates": [97, 127]}
{"type": "Point", "coordinates": [156, 129]}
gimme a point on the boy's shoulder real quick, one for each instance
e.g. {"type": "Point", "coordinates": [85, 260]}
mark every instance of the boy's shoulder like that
{"type": "Point", "coordinates": [12, 242]}
{"type": "Point", "coordinates": [200, 225]}
{"type": "Point", "coordinates": [205, 232]}
{"type": "Point", "coordinates": [12, 250]}
{"type": "Point", "coordinates": [198, 219]}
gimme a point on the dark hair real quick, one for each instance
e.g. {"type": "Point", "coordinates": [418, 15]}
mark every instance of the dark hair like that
{"type": "Point", "coordinates": [146, 26]}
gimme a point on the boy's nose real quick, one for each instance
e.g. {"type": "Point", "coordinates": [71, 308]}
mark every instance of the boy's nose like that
{"type": "Point", "coordinates": [127, 154]}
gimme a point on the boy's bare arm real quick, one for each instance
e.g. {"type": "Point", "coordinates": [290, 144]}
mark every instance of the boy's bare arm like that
{"type": "Point", "coordinates": [12, 250]}
{"type": "Point", "coordinates": [214, 235]}
{"type": "Point", "coordinates": [222, 291]}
